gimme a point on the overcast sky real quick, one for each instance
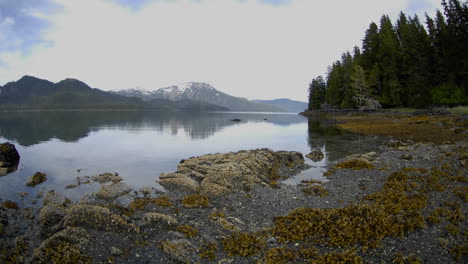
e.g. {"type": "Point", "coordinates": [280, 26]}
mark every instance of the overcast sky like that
{"type": "Point", "coordinates": [259, 49]}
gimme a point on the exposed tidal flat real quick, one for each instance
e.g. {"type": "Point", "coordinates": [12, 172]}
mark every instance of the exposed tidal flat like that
{"type": "Point", "coordinates": [397, 199]}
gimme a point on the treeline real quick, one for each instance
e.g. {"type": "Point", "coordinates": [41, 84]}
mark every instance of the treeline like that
{"type": "Point", "coordinates": [406, 64]}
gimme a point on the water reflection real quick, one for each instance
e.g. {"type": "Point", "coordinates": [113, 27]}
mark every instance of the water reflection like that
{"type": "Point", "coordinates": [32, 127]}
{"type": "Point", "coordinates": [338, 143]}
{"type": "Point", "coordinates": [335, 143]}
{"type": "Point", "coordinates": [142, 145]}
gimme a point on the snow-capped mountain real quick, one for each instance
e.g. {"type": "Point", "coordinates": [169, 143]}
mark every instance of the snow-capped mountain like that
{"type": "Point", "coordinates": [201, 92]}
{"type": "Point", "coordinates": [133, 92]}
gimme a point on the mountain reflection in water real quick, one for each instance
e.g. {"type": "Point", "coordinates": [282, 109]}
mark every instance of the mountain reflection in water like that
{"type": "Point", "coordinates": [32, 127]}
{"type": "Point", "coordinates": [140, 145]}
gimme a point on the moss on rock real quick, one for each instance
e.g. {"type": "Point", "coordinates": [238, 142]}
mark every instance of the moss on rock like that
{"type": "Point", "coordinates": [37, 178]}
{"type": "Point", "coordinates": [243, 244]}
{"type": "Point", "coordinates": [354, 164]}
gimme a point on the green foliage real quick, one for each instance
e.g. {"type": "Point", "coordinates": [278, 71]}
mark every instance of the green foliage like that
{"type": "Point", "coordinates": [406, 64]}
{"type": "Point", "coordinates": [449, 94]}
{"type": "Point", "coordinates": [317, 91]}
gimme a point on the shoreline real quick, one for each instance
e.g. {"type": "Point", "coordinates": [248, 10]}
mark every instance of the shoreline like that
{"type": "Point", "coordinates": [248, 225]}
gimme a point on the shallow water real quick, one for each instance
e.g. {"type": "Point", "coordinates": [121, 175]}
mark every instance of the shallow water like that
{"type": "Point", "coordinates": [140, 145]}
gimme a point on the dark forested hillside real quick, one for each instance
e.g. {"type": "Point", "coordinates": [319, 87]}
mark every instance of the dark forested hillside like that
{"type": "Point", "coordinates": [32, 93]}
{"type": "Point", "coordinates": [409, 63]}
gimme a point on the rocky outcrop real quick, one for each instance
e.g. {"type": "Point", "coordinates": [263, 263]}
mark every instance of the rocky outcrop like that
{"type": "Point", "coordinates": [107, 177]}
{"type": "Point", "coordinates": [37, 178]}
{"type": "Point", "coordinates": [97, 218]}
{"type": "Point", "coordinates": [220, 174]}
{"type": "Point", "coordinates": [316, 155]}
{"type": "Point", "coordinates": [113, 190]}
{"type": "Point", "coordinates": [9, 158]}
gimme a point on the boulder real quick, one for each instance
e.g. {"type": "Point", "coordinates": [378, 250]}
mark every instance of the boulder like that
{"type": "Point", "coordinates": [9, 158]}
{"type": "Point", "coordinates": [53, 198]}
{"type": "Point", "coordinates": [316, 155]}
{"type": "Point", "coordinates": [36, 179]}
{"type": "Point", "coordinates": [51, 214]}
{"type": "Point", "coordinates": [220, 174]}
{"type": "Point", "coordinates": [181, 250]}
{"type": "Point", "coordinates": [157, 218]}
{"type": "Point", "coordinates": [113, 190]}
{"type": "Point", "coordinates": [97, 218]}
{"type": "Point", "coordinates": [107, 177]}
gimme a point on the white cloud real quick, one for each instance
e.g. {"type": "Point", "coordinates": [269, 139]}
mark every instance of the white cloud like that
{"type": "Point", "coordinates": [244, 48]}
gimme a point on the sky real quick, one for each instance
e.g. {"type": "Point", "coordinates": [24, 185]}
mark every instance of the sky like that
{"type": "Point", "coordinates": [258, 49]}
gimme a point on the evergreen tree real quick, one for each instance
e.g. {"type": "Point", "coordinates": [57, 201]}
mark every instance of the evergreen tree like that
{"type": "Point", "coordinates": [387, 57]}
{"type": "Point", "coordinates": [407, 64]}
{"type": "Point", "coordinates": [370, 47]}
{"type": "Point", "coordinates": [334, 94]}
{"type": "Point", "coordinates": [346, 90]}
{"type": "Point", "coordinates": [317, 90]}
{"type": "Point", "coordinates": [414, 61]}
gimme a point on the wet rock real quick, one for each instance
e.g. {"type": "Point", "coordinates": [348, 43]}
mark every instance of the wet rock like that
{"type": "Point", "coordinates": [180, 250]}
{"type": "Point", "coordinates": [63, 247]}
{"type": "Point", "coordinates": [146, 191]}
{"type": "Point", "coordinates": [458, 130]}
{"type": "Point", "coordinates": [107, 177]}
{"type": "Point", "coordinates": [316, 155]}
{"type": "Point", "coordinates": [53, 198]}
{"type": "Point", "coordinates": [407, 157]}
{"type": "Point", "coordinates": [9, 158]}
{"type": "Point", "coordinates": [3, 221]}
{"type": "Point", "coordinates": [51, 214]}
{"type": "Point", "coordinates": [220, 174]}
{"type": "Point", "coordinates": [23, 194]}
{"type": "Point", "coordinates": [71, 186]}
{"type": "Point", "coordinates": [179, 181]}
{"type": "Point", "coordinates": [113, 190]}
{"type": "Point", "coordinates": [10, 205]}
{"type": "Point", "coordinates": [157, 218]}
{"type": "Point", "coordinates": [116, 251]}
{"type": "Point", "coordinates": [37, 178]}
{"type": "Point", "coordinates": [236, 120]}
{"type": "Point", "coordinates": [97, 218]}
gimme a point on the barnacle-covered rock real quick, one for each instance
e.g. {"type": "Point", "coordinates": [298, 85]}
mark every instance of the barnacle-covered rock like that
{"type": "Point", "coordinates": [64, 247]}
{"type": "Point", "coordinates": [157, 218]}
{"type": "Point", "coordinates": [97, 218]}
{"type": "Point", "coordinates": [106, 177]}
{"type": "Point", "coordinates": [180, 250]}
{"type": "Point", "coordinates": [220, 174]}
{"type": "Point", "coordinates": [113, 190]}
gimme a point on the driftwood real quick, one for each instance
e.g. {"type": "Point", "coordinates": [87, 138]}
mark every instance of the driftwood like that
{"type": "Point", "coordinates": [367, 103]}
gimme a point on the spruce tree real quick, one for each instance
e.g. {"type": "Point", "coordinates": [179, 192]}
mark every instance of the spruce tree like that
{"type": "Point", "coordinates": [317, 90]}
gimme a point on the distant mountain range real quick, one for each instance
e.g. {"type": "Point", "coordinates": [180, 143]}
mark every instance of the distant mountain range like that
{"type": "Point", "coordinates": [31, 93]}
{"type": "Point", "coordinates": [201, 92]}
{"type": "Point", "coordinates": [288, 104]}
{"type": "Point", "coordinates": [34, 93]}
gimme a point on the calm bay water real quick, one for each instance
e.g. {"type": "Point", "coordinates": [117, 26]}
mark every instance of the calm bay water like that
{"type": "Point", "coordinates": [140, 145]}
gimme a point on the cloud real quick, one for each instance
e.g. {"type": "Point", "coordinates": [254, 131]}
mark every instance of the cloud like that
{"type": "Point", "coordinates": [276, 2]}
{"type": "Point", "coordinates": [22, 23]}
{"type": "Point", "coordinates": [132, 4]}
{"type": "Point", "coordinates": [243, 47]}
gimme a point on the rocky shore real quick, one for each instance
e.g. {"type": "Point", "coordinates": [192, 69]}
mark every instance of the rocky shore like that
{"type": "Point", "coordinates": [403, 203]}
